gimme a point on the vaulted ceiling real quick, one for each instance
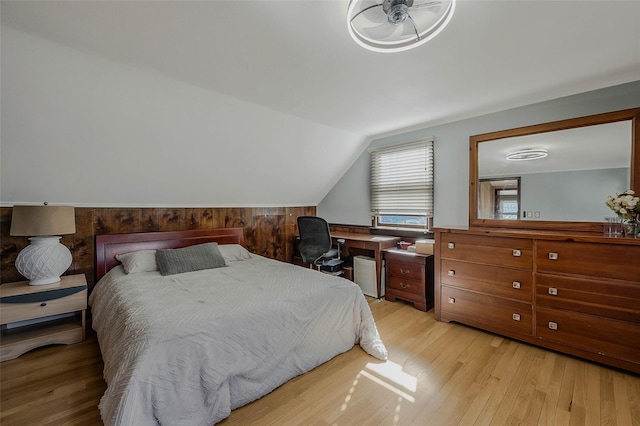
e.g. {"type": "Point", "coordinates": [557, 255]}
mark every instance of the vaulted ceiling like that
{"type": "Point", "coordinates": [277, 87]}
{"type": "Point", "coordinates": [296, 57]}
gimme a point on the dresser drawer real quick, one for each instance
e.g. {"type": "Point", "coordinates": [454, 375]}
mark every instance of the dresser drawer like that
{"type": "Point", "coordinates": [596, 260]}
{"type": "Point", "coordinates": [406, 285]}
{"type": "Point", "coordinates": [405, 270]}
{"type": "Point", "coordinates": [480, 309]}
{"type": "Point", "coordinates": [503, 282]}
{"type": "Point", "coordinates": [607, 337]}
{"type": "Point", "coordinates": [48, 305]}
{"type": "Point", "coordinates": [619, 299]}
{"type": "Point", "coordinates": [506, 252]}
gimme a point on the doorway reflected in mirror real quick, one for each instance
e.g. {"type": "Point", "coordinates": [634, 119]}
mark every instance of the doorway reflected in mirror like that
{"type": "Point", "coordinates": [499, 198]}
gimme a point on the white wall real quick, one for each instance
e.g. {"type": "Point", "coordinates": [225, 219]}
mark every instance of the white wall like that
{"type": "Point", "coordinates": [451, 150]}
{"type": "Point", "coordinates": [79, 129]}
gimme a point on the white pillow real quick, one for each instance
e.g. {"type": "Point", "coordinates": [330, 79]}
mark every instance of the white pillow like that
{"type": "Point", "coordinates": [138, 261]}
{"type": "Point", "coordinates": [232, 252]}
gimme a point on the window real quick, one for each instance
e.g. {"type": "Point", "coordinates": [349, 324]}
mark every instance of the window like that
{"type": "Point", "coordinates": [402, 185]}
{"type": "Point", "coordinates": [507, 204]}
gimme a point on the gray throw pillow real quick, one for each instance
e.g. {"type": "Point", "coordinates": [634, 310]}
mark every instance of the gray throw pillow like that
{"type": "Point", "coordinates": [189, 259]}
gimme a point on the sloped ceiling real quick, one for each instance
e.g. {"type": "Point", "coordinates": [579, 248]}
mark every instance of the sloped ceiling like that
{"type": "Point", "coordinates": [296, 58]}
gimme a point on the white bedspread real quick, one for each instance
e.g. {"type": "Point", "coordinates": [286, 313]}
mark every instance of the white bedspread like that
{"type": "Point", "coordinates": [187, 349]}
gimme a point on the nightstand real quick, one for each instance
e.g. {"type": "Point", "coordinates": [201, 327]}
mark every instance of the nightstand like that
{"type": "Point", "coordinates": [409, 277]}
{"type": "Point", "coordinates": [34, 316]}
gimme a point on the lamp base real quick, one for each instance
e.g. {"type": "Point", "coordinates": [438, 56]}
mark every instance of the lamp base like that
{"type": "Point", "coordinates": [44, 260]}
{"type": "Point", "coordinates": [45, 281]}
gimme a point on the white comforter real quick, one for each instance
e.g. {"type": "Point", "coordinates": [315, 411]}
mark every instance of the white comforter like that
{"type": "Point", "coordinates": [187, 349]}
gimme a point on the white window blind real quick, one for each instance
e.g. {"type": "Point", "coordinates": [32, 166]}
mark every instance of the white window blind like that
{"type": "Point", "coordinates": [402, 179]}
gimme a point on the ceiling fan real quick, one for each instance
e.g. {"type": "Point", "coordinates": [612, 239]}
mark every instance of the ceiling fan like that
{"type": "Point", "coordinates": [397, 25]}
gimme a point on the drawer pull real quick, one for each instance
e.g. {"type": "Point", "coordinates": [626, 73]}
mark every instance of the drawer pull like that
{"type": "Point", "coordinates": [451, 246]}
{"type": "Point", "coordinates": [405, 271]}
{"type": "Point", "coordinates": [452, 300]}
{"type": "Point", "coordinates": [451, 272]}
{"type": "Point", "coordinates": [516, 285]}
{"type": "Point", "coordinates": [517, 253]}
{"type": "Point", "coordinates": [553, 291]}
{"type": "Point", "coordinates": [516, 317]}
{"type": "Point", "coordinates": [553, 256]}
{"type": "Point", "coordinates": [403, 285]}
{"type": "Point", "coordinates": [43, 304]}
{"type": "Point", "coordinates": [553, 325]}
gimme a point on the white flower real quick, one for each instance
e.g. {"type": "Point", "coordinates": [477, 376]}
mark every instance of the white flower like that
{"type": "Point", "coordinates": [624, 205]}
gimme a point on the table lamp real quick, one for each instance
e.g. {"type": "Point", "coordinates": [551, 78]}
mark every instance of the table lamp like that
{"type": "Point", "coordinates": [44, 259]}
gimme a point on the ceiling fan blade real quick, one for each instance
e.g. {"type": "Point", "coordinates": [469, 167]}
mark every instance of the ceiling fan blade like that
{"type": "Point", "coordinates": [432, 5]}
{"type": "Point", "coordinates": [373, 13]}
{"type": "Point", "coordinates": [382, 31]}
{"type": "Point", "coordinates": [410, 25]}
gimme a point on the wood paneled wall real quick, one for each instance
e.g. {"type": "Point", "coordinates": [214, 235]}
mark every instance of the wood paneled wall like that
{"type": "Point", "coordinates": [268, 232]}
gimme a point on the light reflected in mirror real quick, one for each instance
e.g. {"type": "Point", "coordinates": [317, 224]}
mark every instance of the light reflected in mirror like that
{"type": "Point", "coordinates": [583, 166]}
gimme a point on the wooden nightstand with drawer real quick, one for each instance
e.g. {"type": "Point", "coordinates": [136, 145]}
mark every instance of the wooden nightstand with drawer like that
{"type": "Point", "coordinates": [34, 316]}
{"type": "Point", "coordinates": [409, 277]}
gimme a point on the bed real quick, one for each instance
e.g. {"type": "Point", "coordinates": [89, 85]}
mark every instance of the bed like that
{"type": "Point", "coordinates": [186, 348]}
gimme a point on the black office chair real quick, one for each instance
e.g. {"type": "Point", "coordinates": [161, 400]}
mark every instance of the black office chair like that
{"type": "Point", "coordinates": [315, 244]}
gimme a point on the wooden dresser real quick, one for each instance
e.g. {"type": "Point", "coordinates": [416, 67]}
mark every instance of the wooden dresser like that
{"type": "Point", "coordinates": [578, 293]}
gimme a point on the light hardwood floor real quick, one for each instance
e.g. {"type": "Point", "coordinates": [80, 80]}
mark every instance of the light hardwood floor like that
{"type": "Point", "coordinates": [437, 374]}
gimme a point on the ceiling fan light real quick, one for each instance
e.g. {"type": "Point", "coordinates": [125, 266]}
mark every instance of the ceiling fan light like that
{"type": "Point", "coordinates": [527, 154]}
{"type": "Point", "coordinates": [397, 25]}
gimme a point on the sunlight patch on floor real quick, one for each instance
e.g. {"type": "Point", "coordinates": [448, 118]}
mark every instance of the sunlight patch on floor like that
{"type": "Point", "coordinates": [347, 398]}
{"type": "Point", "coordinates": [390, 376]}
{"type": "Point", "coordinates": [393, 372]}
{"type": "Point", "coordinates": [389, 386]}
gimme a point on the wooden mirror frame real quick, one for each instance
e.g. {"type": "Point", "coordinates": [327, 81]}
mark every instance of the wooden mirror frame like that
{"type": "Point", "coordinates": [632, 114]}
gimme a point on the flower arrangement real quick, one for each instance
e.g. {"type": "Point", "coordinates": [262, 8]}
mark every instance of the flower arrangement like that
{"type": "Point", "coordinates": [625, 205]}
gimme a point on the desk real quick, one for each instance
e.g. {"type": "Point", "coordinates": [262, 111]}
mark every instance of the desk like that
{"type": "Point", "coordinates": [375, 243]}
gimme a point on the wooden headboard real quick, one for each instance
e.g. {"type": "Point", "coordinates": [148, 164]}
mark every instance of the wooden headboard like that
{"type": "Point", "coordinates": [108, 246]}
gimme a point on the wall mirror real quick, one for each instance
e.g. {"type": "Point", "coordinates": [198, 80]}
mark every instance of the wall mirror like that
{"type": "Point", "coordinates": [554, 175]}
